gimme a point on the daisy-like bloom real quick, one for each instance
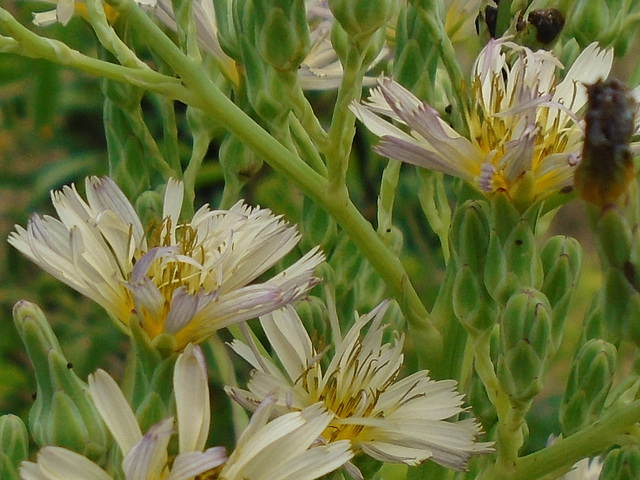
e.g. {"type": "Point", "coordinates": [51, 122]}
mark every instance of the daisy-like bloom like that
{"type": "Point", "coordinates": [144, 456]}
{"type": "Point", "coordinates": [283, 449]}
{"type": "Point", "coordinates": [524, 135]}
{"type": "Point", "coordinates": [286, 448]}
{"type": "Point", "coordinates": [392, 420]}
{"type": "Point", "coordinates": [188, 281]}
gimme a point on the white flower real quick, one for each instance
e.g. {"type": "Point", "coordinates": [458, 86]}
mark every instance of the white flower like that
{"type": "Point", "coordinates": [144, 456]}
{"type": "Point", "coordinates": [191, 281]}
{"type": "Point", "coordinates": [524, 136]}
{"type": "Point", "coordinates": [285, 448]}
{"type": "Point", "coordinates": [401, 421]}
{"type": "Point", "coordinates": [585, 469]}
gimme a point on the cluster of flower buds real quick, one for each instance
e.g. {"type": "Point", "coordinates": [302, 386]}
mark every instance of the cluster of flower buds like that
{"type": "Point", "coordinates": [62, 413]}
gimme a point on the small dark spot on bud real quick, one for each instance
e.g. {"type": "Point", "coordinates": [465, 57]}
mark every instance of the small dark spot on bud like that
{"type": "Point", "coordinates": [448, 109]}
{"type": "Point", "coordinates": [519, 242]}
{"type": "Point", "coordinates": [548, 22]}
{"type": "Point", "coordinates": [567, 189]}
{"type": "Point", "coordinates": [69, 365]}
{"type": "Point", "coordinates": [34, 395]}
{"type": "Point", "coordinates": [388, 230]}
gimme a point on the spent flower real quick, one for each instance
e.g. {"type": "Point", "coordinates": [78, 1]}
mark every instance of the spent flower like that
{"type": "Point", "coordinates": [188, 281]}
{"type": "Point", "coordinates": [397, 421]}
{"type": "Point", "coordinates": [524, 136]}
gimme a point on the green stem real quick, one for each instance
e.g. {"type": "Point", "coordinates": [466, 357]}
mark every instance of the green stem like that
{"type": "Point", "coordinates": [28, 44]}
{"type": "Point", "coordinates": [338, 204]}
{"type": "Point", "coordinates": [306, 146]}
{"type": "Point", "coordinates": [342, 128]}
{"type": "Point", "coordinates": [304, 113]}
{"type": "Point", "coordinates": [509, 421]}
{"type": "Point", "coordinates": [108, 37]}
{"type": "Point", "coordinates": [607, 431]}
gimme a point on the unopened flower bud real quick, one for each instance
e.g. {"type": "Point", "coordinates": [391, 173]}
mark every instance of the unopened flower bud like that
{"type": "Point", "coordinates": [239, 164]}
{"type": "Point", "coordinates": [614, 237]}
{"type": "Point", "coordinates": [561, 259]}
{"type": "Point", "coordinates": [498, 280]}
{"type": "Point", "coordinates": [470, 234]}
{"type": "Point", "coordinates": [522, 256]}
{"type": "Point", "coordinates": [525, 335]}
{"type": "Point", "coordinates": [472, 305]}
{"type": "Point", "coordinates": [63, 413]}
{"type": "Point", "coordinates": [622, 464]}
{"type": "Point", "coordinates": [313, 313]}
{"type": "Point", "coordinates": [14, 446]}
{"type": "Point", "coordinates": [318, 226]}
{"type": "Point", "coordinates": [283, 33]}
{"type": "Point", "coordinates": [361, 17]}
{"type": "Point", "coordinates": [589, 384]}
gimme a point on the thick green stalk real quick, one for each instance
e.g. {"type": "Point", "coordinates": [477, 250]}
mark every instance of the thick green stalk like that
{"type": "Point", "coordinates": [338, 204]}
{"type": "Point", "coordinates": [610, 430]}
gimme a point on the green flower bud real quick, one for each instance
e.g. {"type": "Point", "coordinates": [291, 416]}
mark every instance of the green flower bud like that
{"type": "Point", "coordinates": [361, 17]}
{"type": "Point", "coordinates": [482, 407]}
{"type": "Point", "coordinates": [412, 52]}
{"type": "Point", "coordinates": [496, 277]}
{"type": "Point", "coordinates": [63, 414]}
{"type": "Point", "coordinates": [471, 303]}
{"type": "Point", "coordinates": [283, 33]}
{"type": "Point", "coordinates": [149, 207]}
{"type": "Point", "coordinates": [589, 384]}
{"type": "Point", "coordinates": [470, 234]}
{"type": "Point", "coordinates": [522, 256]}
{"type": "Point", "coordinates": [268, 92]}
{"type": "Point", "coordinates": [614, 237]}
{"type": "Point", "coordinates": [561, 259]}
{"type": "Point", "coordinates": [318, 226]}
{"type": "Point", "coordinates": [612, 23]}
{"type": "Point", "coordinates": [525, 337]}
{"type": "Point", "coordinates": [239, 164]}
{"type": "Point", "coordinates": [587, 21]}
{"type": "Point", "coordinates": [504, 215]}
{"type": "Point", "coordinates": [622, 464]}
{"type": "Point", "coordinates": [14, 446]}
{"type": "Point", "coordinates": [617, 298]}
{"type": "Point", "coordinates": [313, 313]}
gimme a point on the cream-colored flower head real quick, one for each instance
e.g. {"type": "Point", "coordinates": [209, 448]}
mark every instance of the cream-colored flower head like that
{"type": "Point", "coordinates": [284, 449]}
{"type": "Point", "coordinates": [144, 456]}
{"type": "Point", "coordinates": [524, 136]}
{"type": "Point", "coordinates": [190, 280]}
{"type": "Point", "coordinates": [390, 419]}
